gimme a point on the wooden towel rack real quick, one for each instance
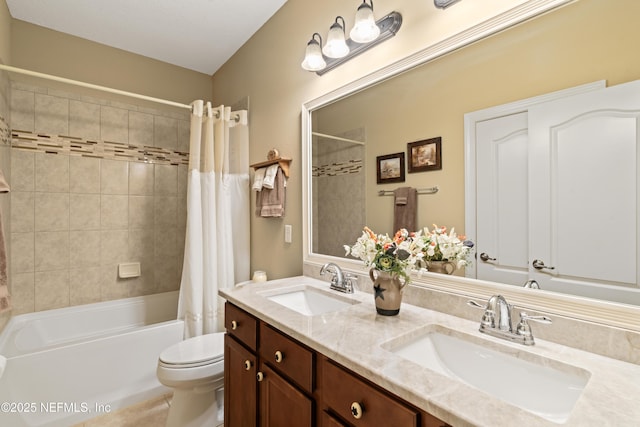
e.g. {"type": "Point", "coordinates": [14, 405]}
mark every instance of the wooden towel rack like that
{"type": "Point", "coordinates": [272, 158]}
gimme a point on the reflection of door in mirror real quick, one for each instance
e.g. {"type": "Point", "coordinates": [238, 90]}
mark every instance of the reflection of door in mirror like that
{"type": "Point", "coordinates": [571, 183]}
{"type": "Point", "coordinates": [338, 180]}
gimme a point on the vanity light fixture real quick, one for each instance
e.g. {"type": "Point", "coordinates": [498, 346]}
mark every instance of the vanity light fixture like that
{"type": "Point", "coordinates": [336, 45]}
{"type": "Point", "coordinates": [365, 29]}
{"type": "Point", "coordinates": [336, 54]}
{"type": "Point", "coordinates": [313, 59]}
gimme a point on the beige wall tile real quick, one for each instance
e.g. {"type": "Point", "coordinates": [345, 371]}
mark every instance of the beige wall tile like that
{"type": "Point", "coordinates": [140, 128]}
{"type": "Point", "coordinates": [51, 250]}
{"type": "Point", "coordinates": [84, 119]}
{"type": "Point", "coordinates": [141, 244]}
{"type": "Point", "coordinates": [114, 124]}
{"type": "Point", "coordinates": [52, 172]}
{"type": "Point", "coordinates": [84, 285]}
{"type": "Point", "coordinates": [23, 292]}
{"type": "Point", "coordinates": [22, 211]}
{"type": "Point", "coordinates": [22, 110]}
{"type": "Point", "coordinates": [166, 211]}
{"type": "Point", "coordinates": [114, 212]}
{"type": "Point", "coordinates": [23, 170]}
{"type": "Point", "coordinates": [84, 211]}
{"type": "Point", "coordinates": [165, 131]}
{"type": "Point", "coordinates": [114, 177]}
{"type": "Point", "coordinates": [114, 247]}
{"type": "Point", "coordinates": [51, 211]}
{"type": "Point", "coordinates": [52, 114]}
{"type": "Point", "coordinates": [110, 286]}
{"type": "Point", "coordinates": [84, 249]}
{"type": "Point", "coordinates": [141, 212]}
{"type": "Point", "coordinates": [84, 175]}
{"type": "Point", "coordinates": [167, 274]}
{"type": "Point", "coordinates": [51, 289]}
{"type": "Point", "coordinates": [22, 252]}
{"type": "Point", "coordinates": [166, 243]}
{"type": "Point", "coordinates": [166, 180]}
{"type": "Point", "coordinates": [184, 133]}
{"type": "Point", "coordinates": [183, 171]}
{"type": "Point", "coordinates": [141, 179]}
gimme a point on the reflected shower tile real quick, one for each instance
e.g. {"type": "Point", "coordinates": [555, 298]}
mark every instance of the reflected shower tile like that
{"type": "Point", "coordinates": [181, 212]}
{"type": "Point", "coordinates": [22, 110]}
{"type": "Point", "coordinates": [140, 128]}
{"type": "Point", "coordinates": [141, 212]}
{"type": "Point", "coordinates": [23, 170]}
{"type": "Point", "coordinates": [141, 244]}
{"type": "Point", "coordinates": [165, 131]}
{"type": "Point", "coordinates": [114, 124]}
{"type": "Point", "coordinates": [167, 274]}
{"type": "Point", "coordinates": [166, 211]}
{"type": "Point", "coordinates": [113, 246]}
{"type": "Point", "coordinates": [84, 211]}
{"type": "Point", "coordinates": [52, 172]}
{"type": "Point", "coordinates": [166, 244]}
{"type": "Point", "coordinates": [114, 212]}
{"type": "Point", "coordinates": [84, 175]}
{"type": "Point", "coordinates": [166, 180]}
{"type": "Point", "coordinates": [111, 287]}
{"type": "Point", "coordinates": [22, 293]}
{"type": "Point", "coordinates": [51, 250]}
{"type": "Point", "coordinates": [22, 252]}
{"type": "Point", "coordinates": [84, 285]}
{"type": "Point", "coordinates": [22, 211]}
{"type": "Point", "coordinates": [84, 249]}
{"type": "Point", "coordinates": [51, 114]}
{"type": "Point", "coordinates": [141, 179]}
{"type": "Point", "coordinates": [183, 171]}
{"type": "Point", "coordinates": [51, 289]}
{"type": "Point", "coordinates": [52, 211]}
{"type": "Point", "coordinates": [114, 177]}
{"type": "Point", "coordinates": [184, 133]}
{"type": "Point", "coordinates": [84, 119]}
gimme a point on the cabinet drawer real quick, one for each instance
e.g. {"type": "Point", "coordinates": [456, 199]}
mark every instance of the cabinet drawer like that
{"type": "Point", "coordinates": [241, 325]}
{"type": "Point", "coordinates": [342, 390]}
{"type": "Point", "coordinates": [288, 357]}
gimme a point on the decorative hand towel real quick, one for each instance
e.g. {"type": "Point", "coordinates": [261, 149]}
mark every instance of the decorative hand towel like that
{"type": "Point", "coordinates": [270, 202]}
{"type": "Point", "coordinates": [258, 179]}
{"type": "Point", "coordinates": [5, 298]}
{"type": "Point", "coordinates": [405, 208]}
{"type": "Point", "coordinates": [270, 176]}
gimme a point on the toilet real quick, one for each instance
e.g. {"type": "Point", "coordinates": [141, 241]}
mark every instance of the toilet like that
{"type": "Point", "coordinates": [194, 369]}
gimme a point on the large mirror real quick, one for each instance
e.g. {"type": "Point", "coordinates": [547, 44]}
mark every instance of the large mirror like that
{"type": "Point", "coordinates": [347, 130]}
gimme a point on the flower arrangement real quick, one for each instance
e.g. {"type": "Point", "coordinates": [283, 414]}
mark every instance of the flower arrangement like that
{"type": "Point", "coordinates": [398, 255]}
{"type": "Point", "coordinates": [438, 245]}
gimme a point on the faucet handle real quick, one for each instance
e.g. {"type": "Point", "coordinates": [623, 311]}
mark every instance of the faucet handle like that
{"type": "Point", "coordinates": [524, 329]}
{"type": "Point", "coordinates": [472, 303]}
{"type": "Point", "coordinates": [350, 282]}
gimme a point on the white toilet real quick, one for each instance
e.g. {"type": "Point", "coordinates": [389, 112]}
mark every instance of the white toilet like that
{"type": "Point", "coordinates": [194, 368]}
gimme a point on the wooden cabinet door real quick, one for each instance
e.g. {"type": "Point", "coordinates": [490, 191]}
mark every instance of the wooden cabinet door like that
{"type": "Point", "coordinates": [240, 385]}
{"type": "Point", "coordinates": [281, 404]}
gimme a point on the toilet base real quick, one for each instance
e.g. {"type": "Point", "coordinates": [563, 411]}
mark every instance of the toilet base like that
{"type": "Point", "coordinates": [190, 408]}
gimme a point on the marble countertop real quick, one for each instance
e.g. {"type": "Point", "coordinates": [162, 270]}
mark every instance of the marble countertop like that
{"type": "Point", "coordinates": [354, 337]}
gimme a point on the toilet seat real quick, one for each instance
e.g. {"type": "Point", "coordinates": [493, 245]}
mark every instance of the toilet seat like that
{"type": "Point", "coordinates": [194, 352]}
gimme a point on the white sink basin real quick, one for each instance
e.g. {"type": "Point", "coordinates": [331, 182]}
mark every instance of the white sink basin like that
{"type": "Point", "coordinates": [546, 388]}
{"type": "Point", "coordinates": [309, 301]}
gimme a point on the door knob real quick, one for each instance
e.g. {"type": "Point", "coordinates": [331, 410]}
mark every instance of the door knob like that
{"type": "Point", "coordinates": [485, 257]}
{"type": "Point", "coordinates": [539, 265]}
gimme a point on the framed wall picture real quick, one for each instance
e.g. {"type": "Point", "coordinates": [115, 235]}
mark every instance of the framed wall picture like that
{"type": "Point", "coordinates": [425, 155]}
{"type": "Point", "coordinates": [390, 168]}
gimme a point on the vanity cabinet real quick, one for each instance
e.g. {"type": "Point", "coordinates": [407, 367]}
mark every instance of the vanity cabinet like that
{"type": "Point", "coordinates": [271, 380]}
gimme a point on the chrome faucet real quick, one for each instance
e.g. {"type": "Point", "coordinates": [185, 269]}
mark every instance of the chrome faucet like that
{"type": "Point", "coordinates": [339, 281]}
{"type": "Point", "coordinates": [496, 321]}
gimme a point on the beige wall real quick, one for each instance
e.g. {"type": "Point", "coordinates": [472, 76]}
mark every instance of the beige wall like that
{"type": "Point", "coordinates": [268, 69]}
{"type": "Point", "coordinates": [5, 33]}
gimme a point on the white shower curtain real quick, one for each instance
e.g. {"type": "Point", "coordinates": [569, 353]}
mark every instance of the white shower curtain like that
{"type": "Point", "coordinates": [211, 259]}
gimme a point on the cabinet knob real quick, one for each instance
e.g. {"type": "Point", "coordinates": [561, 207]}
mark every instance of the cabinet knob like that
{"type": "Point", "coordinates": [234, 325]}
{"type": "Point", "coordinates": [247, 365]}
{"type": "Point", "coordinates": [259, 376]}
{"type": "Point", "coordinates": [279, 356]}
{"type": "Point", "coordinates": [357, 410]}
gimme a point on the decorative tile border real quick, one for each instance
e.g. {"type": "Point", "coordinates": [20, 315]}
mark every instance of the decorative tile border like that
{"type": "Point", "coordinates": [5, 134]}
{"type": "Point", "coordinates": [339, 168]}
{"type": "Point", "coordinates": [74, 146]}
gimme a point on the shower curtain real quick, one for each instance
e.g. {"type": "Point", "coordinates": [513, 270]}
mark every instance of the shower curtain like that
{"type": "Point", "coordinates": [215, 257]}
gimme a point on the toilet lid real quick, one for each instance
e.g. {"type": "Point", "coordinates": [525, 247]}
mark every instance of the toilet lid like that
{"type": "Point", "coordinates": [196, 351]}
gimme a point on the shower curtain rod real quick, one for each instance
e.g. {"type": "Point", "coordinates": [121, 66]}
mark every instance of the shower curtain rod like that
{"type": "Point", "coordinates": [92, 86]}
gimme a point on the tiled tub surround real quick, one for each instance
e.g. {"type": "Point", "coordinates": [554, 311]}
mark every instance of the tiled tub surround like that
{"type": "Point", "coordinates": [73, 219]}
{"type": "Point", "coordinates": [354, 337]}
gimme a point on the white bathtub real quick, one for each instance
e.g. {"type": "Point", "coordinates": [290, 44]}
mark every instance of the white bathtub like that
{"type": "Point", "coordinates": [67, 365]}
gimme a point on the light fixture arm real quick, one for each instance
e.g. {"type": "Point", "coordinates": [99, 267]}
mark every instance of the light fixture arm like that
{"type": "Point", "coordinates": [389, 26]}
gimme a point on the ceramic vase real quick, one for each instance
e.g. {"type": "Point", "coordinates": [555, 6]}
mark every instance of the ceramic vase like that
{"type": "Point", "coordinates": [442, 267]}
{"type": "Point", "coordinates": [387, 290]}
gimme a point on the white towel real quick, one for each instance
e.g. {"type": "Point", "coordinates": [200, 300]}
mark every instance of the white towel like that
{"type": "Point", "coordinates": [270, 176]}
{"type": "Point", "coordinates": [258, 179]}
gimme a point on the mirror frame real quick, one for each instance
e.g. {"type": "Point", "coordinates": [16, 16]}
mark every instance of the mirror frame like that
{"type": "Point", "coordinates": [601, 312]}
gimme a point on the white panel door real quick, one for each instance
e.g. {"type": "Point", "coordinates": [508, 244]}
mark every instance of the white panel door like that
{"type": "Point", "coordinates": [584, 189]}
{"type": "Point", "coordinates": [502, 199]}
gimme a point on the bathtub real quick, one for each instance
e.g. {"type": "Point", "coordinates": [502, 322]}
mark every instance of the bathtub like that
{"type": "Point", "coordinates": [67, 365]}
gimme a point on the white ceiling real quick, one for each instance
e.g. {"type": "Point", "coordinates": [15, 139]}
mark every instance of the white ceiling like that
{"type": "Point", "coordinates": [200, 35]}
